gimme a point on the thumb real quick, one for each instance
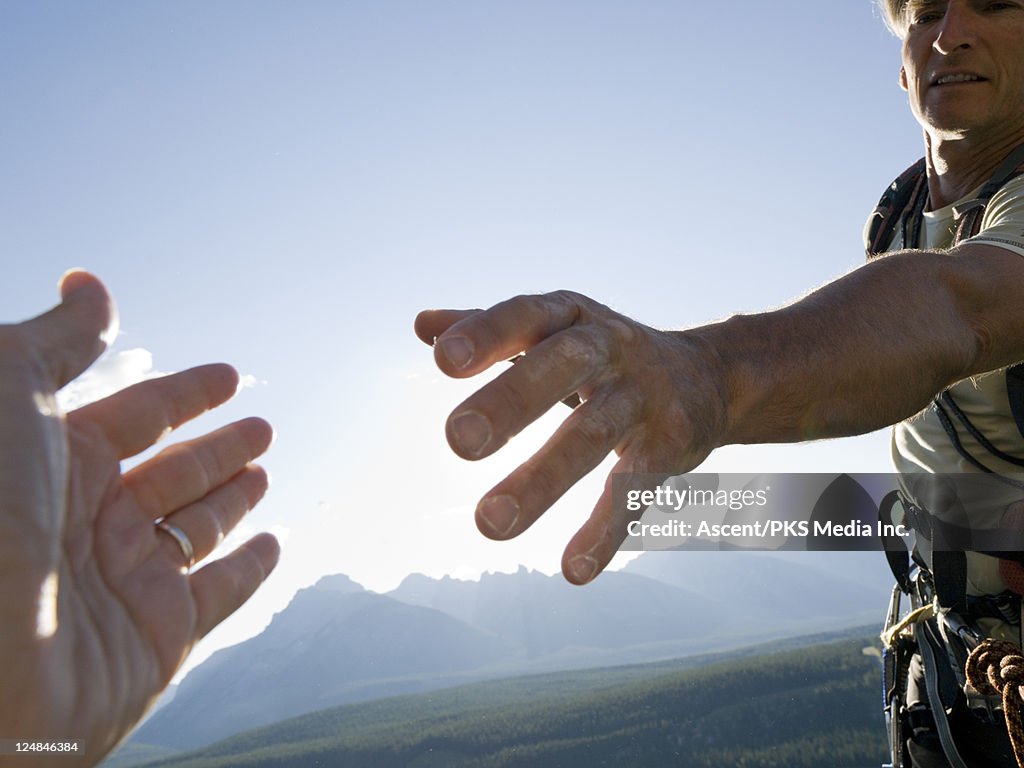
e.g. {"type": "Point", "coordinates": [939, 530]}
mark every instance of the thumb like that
{"type": "Point", "coordinates": [70, 337]}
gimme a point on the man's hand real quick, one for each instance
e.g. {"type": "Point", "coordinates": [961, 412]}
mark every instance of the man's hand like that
{"type": "Point", "coordinates": [97, 608]}
{"type": "Point", "coordinates": [650, 396]}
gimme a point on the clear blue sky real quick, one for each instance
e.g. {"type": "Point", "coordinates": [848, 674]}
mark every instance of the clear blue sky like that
{"type": "Point", "coordinates": [284, 185]}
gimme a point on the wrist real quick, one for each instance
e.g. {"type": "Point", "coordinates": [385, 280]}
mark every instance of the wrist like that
{"type": "Point", "coordinates": [729, 352]}
{"type": "Point", "coordinates": [704, 380]}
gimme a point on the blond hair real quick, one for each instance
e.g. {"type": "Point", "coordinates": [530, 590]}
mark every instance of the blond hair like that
{"type": "Point", "coordinates": [895, 14]}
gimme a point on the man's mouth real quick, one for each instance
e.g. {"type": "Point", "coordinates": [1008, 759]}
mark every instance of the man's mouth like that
{"type": "Point", "coordinates": [959, 77]}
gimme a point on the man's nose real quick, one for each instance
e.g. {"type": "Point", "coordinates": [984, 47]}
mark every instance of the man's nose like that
{"type": "Point", "coordinates": [957, 29]}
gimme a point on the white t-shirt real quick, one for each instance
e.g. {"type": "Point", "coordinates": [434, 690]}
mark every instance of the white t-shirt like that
{"type": "Point", "coordinates": [920, 444]}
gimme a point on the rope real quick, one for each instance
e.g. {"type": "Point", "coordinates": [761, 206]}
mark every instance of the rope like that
{"type": "Point", "coordinates": [919, 614]}
{"type": "Point", "coordinates": [997, 667]}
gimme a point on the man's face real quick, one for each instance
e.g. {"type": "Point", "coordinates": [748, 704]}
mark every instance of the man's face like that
{"type": "Point", "coordinates": [963, 67]}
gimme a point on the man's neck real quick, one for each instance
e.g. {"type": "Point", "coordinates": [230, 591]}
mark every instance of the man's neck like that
{"type": "Point", "coordinates": [956, 167]}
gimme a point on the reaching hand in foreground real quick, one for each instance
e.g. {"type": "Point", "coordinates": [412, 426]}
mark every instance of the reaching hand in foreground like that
{"type": "Point", "coordinates": [631, 380]}
{"type": "Point", "coordinates": [867, 350]}
{"type": "Point", "coordinates": [97, 604]}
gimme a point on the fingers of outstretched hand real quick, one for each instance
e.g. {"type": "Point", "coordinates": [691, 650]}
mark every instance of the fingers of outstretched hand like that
{"type": "Point", "coordinates": [68, 339]}
{"type": "Point", "coordinates": [431, 323]}
{"type": "Point", "coordinates": [207, 521]}
{"type": "Point", "coordinates": [579, 445]}
{"type": "Point", "coordinates": [186, 472]}
{"type": "Point", "coordinates": [221, 587]}
{"type": "Point", "coordinates": [555, 368]}
{"type": "Point", "coordinates": [643, 465]}
{"type": "Point", "coordinates": [137, 417]}
{"type": "Point", "coordinates": [599, 538]}
{"type": "Point", "coordinates": [594, 545]}
{"type": "Point", "coordinates": [473, 341]}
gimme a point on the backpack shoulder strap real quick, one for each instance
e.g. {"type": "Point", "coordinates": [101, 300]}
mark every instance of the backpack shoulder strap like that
{"type": "Point", "coordinates": [906, 196]}
{"type": "Point", "coordinates": [899, 199]}
{"type": "Point", "coordinates": [970, 213]}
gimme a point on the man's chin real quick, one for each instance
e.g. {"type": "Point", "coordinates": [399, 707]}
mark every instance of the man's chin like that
{"type": "Point", "coordinates": [954, 120]}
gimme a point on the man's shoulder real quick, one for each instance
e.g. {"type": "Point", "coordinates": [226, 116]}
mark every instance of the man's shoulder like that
{"type": "Point", "coordinates": [1003, 222]}
{"type": "Point", "coordinates": [1011, 192]}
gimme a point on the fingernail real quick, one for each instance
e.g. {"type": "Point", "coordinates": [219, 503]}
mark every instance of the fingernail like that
{"type": "Point", "coordinates": [582, 568]}
{"type": "Point", "coordinates": [458, 350]}
{"type": "Point", "coordinates": [500, 513]}
{"type": "Point", "coordinates": [471, 431]}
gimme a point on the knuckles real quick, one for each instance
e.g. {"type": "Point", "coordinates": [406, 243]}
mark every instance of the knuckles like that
{"type": "Point", "coordinates": [581, 347]}
{"type": "Point", "coordinates": [569, 298]}
{"type": "Point", "coordinates": [599, 430]}
{"type": "Point", "coordinates": [645, 373]}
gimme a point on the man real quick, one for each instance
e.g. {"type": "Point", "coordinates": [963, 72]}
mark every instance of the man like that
{"type": "Point", "coordinates": [871, 349]}
{"type": "Point", "coordinates": [99, 607]}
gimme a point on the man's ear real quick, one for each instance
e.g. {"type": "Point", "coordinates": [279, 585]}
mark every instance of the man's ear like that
{"type": "Point", "coordinates": [903, 79]}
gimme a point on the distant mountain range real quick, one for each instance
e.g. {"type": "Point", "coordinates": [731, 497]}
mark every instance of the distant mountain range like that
{"type": "Point", "coordinates": [338, 643]}
{"type": "Point", "coordinates": [334, 643]}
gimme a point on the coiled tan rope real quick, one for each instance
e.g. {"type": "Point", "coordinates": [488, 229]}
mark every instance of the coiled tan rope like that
{"type": "Point", "coordinates": [997, 667]}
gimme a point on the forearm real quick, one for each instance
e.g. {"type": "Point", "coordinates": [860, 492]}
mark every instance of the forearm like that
{"type": "Point", "coordinates": [865, 351]}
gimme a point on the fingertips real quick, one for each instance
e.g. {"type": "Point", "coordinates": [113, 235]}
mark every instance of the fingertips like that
{"type": "Point", "coordinates": [219, 381]}
{"type": "Point", "coordinates": [78, 287]}
{"type": "Point", "coordinates": [255, 482]}
{"type": "Point", "coordinates": [188, 394]}
{"type": "Point", "coordinates": [454, 354]}
{"type": "Point", "coordinates": [138, 416]}
{"type": "Point", "coordinates": [581, 569]}
{"type": "Point", "coordinates": [471, 434]}
{"type": "Point", "coordinates": [431, 323]}
{"type": "Point", "coordinates": [266, 550]}
{"type": "Point", "coordinates": [499, 516]}
{"type": "Point", "coordinates": [595, 543]}
{"type": "Point", "coordinates": [185, 473]}
{"type": "Point", "coordinates": [592, 548]}
{"type": "Point", "coordinates": [223, 586]}
{"type": "Point", "coordinates": [258, 433]}
{"type": "Point", "coordinates": [468, 343]}
{"type": "Point", "coordinates": [71, 336]}
{"type": "Point", "coordinates": [588, 553]}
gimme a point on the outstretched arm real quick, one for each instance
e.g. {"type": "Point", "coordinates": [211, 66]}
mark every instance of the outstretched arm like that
{"type": "Point", "coordinates": [860, 353]}
{"type": "Point", "coordinates": [97, 605]}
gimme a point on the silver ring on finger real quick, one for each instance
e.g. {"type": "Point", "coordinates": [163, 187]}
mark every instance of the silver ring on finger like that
{"type": "Point", "coordinates": [183, 541]}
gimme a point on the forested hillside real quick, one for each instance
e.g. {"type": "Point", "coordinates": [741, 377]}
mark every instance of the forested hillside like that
{"type": "Point", "coordinates": [805, 707]}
